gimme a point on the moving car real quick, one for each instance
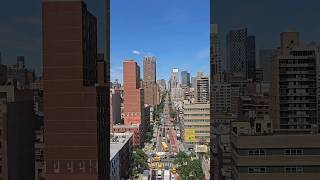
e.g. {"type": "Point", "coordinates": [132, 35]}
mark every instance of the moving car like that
{"type": "Point", "coordinates": [159, 174]}
{"type": "Point", "coordinates": [166, 175]}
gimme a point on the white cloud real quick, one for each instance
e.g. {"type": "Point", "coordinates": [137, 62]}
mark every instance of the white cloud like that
{"type": "Point", "coordinates": [136, 52]}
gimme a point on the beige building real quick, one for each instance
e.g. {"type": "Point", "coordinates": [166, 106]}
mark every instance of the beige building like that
{"type": "Point", "coordinates": [196, 123]}
{"type": "Point", "coordinates": [278, 156]}
{"type": "Point", "coordinates": [202, 89]}
{"type": "Point", "coordinates": [295, 85]}
{"type": "Point", "coordinates": [115, 106]}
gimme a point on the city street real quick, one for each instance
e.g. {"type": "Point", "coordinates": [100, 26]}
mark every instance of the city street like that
{"type": "Point", "coordinates": [164, 133]}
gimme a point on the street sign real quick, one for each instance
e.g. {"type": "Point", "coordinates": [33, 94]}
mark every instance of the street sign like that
{"type": "Point", "coordinates": [189, 134]}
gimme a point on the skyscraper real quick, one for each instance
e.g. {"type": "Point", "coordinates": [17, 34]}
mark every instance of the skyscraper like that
{"type": "Point", "coordinates": [162, 84]}
{"type": "Point", "coordinates": [265, 61]}
{"type": "Point", "coordinates": [194, 82]}
{"type": "Point", "coordinates": [185, 78]}
{"type": "Point", "coordinates": [149, 80]}
{"type": "Point", "coordinates": [134, 112]}
{"type": "Point", "coordinates": [237, 52]}
{"type": "Point", "coordinates": [251, 57]}
{"type": "Point", "coordinates": [149, 69]}
{"type": "Point", "coordinates": [150, 93]}
{"type": "Point", "coordinates": [75, 106]}
{"type": "Point", "coordinates": [215, 53]}
{"type": "Point", "coordinates": [174, 80]}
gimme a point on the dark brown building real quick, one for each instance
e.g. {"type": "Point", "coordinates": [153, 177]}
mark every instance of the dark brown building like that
{"type": "Point", "coordinates": [75, 106]}
{"type": "Point", "coordinates": [150, 93]}
{"type": "Point", "coordinates": [149, 69]}
{"type": "Point", "coordinates": [3, 74]}
{"type": "Point", "coordinates": [101, 63]}
{"type": "Point", "coordinates": [149, 80]}
{"type": "Point", "coordinates": [16, 134]}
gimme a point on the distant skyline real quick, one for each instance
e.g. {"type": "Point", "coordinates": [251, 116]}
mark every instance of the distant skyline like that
{"type": "Point", "coordinates": [21, 31]}
{"type": "Point", "coordinates": [267, 19]}
{"type": "Point", "coordinates": [175, 32]}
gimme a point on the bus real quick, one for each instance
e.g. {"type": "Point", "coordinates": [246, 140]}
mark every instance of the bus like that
{"type": "Point", "coordinates": [165, 147]}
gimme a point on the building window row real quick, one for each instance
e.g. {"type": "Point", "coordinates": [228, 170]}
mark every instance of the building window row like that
{"type": "Point", "coordinates": [278, 151]}
{"type": "Point", "coordinates": [72, 165]}
{"type": "Point", "coordinates": [256, 152]}
{"type": "Point", "coordinates": [257, 170]}
{"type": "Point", "coordinates": [293, 169]}
{"type": "Point", "coordinates": [293, 152]}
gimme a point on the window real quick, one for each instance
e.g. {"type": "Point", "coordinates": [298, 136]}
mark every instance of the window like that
{"type": "Point", "coordinates": [293, 152]}
{"type": "Point", "coordinates": [256, 152]}
{"type": "Point", "coordinates": [82, 166]}
{"type": "Point", "coordinates": [70, 166]}
{"type": "Point", "coordinates": [269, 125]}
{"type": "Point", "coordinates": [258, 127]}
{"type": "Point", "coordinates": [293, 169]}
{"type": "Point", "coordinates": [56, 166]}
{"type": "Point", "coordinates": [257, 170]}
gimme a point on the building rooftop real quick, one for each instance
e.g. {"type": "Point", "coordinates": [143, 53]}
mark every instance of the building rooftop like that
{"type": "Point", "coordinates": [277, 140]}
{"type": "Point", "coordinates": [117, 141]}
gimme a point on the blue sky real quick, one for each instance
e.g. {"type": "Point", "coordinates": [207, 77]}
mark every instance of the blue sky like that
{"type": "Point", "coordinates": [266, 19]}
{"type": "Point", "coordinates": [21, 30]}
{"type": "Point", "coordinates": [176, 32]}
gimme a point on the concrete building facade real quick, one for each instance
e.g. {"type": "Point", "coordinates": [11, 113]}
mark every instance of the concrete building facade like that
{"type": "Point", "coordinates": [197, 123]}
{"type": "Point", "coordinates": [203, 93]}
